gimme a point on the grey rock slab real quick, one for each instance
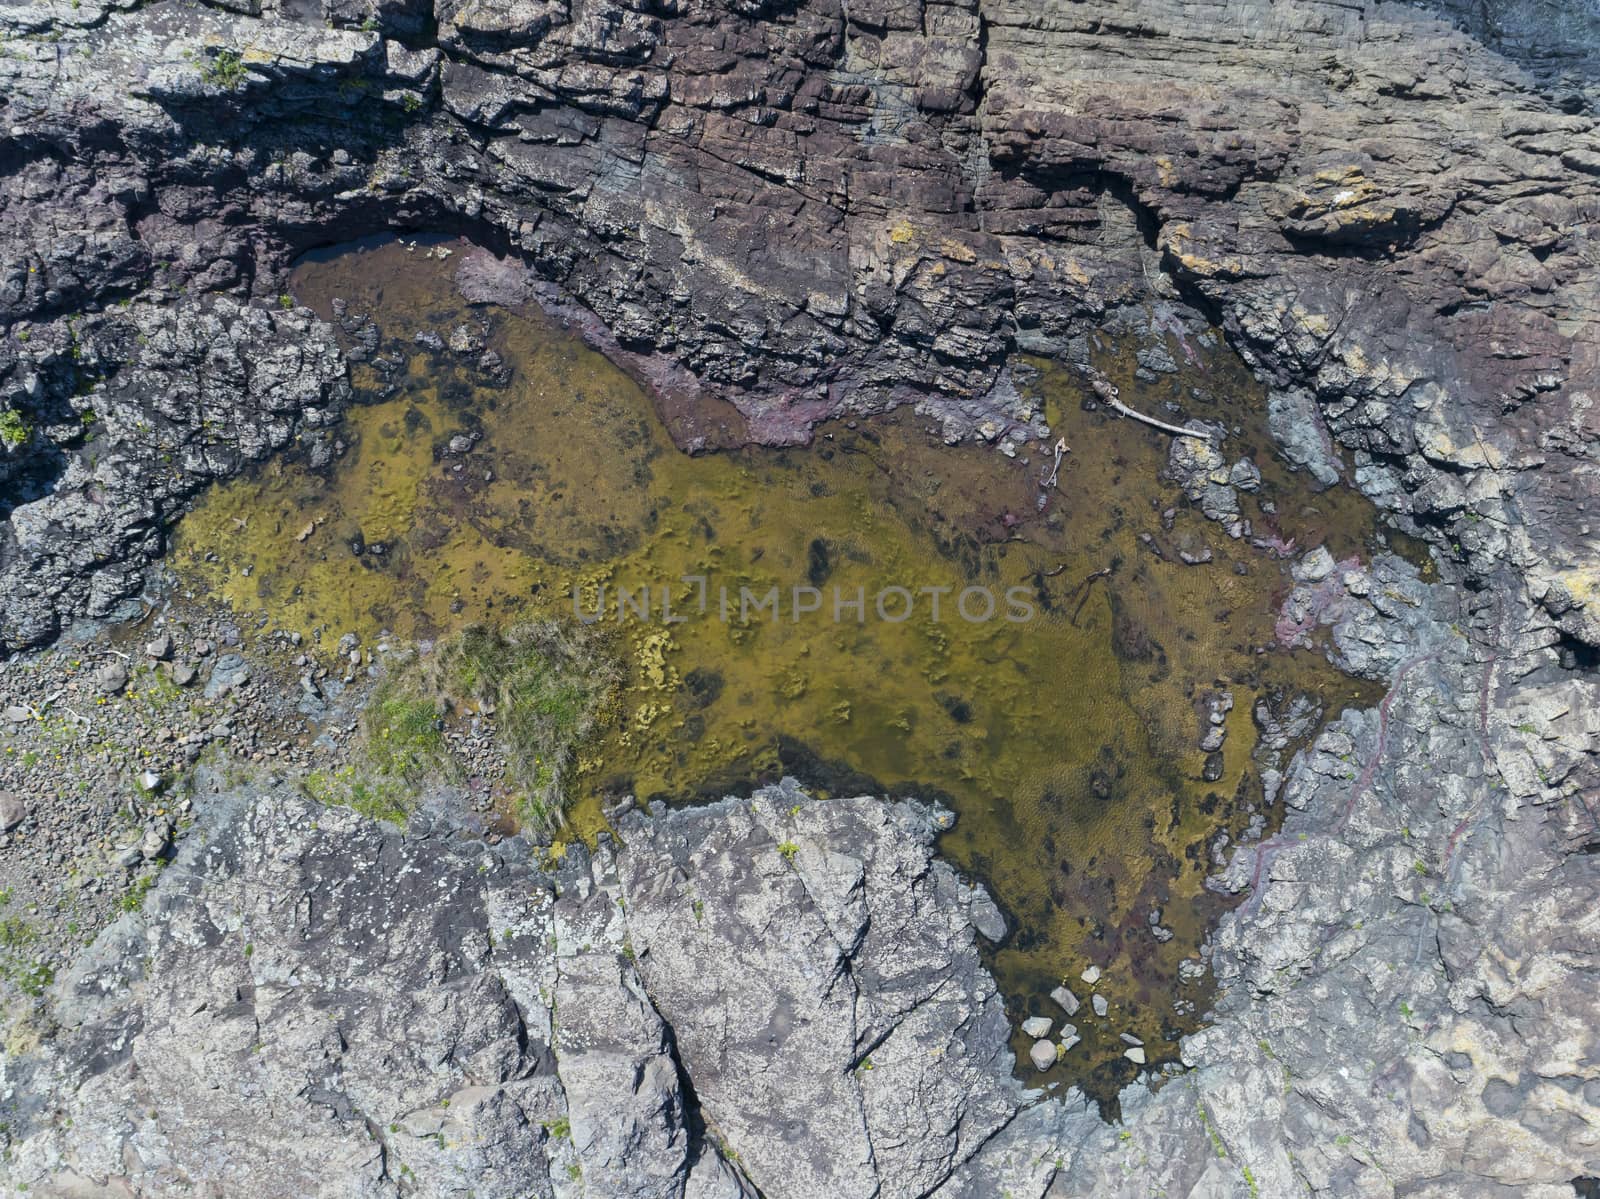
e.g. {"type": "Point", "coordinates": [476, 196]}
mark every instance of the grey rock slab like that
{"type": "Point", "coordinates": [304, 977]}
{"type": "Point", "coordinates": [839, 974]}
{"type": "Point", "coordinates": [1066, 1000]}
{"type": "Point", "coordinates": [111, 678]}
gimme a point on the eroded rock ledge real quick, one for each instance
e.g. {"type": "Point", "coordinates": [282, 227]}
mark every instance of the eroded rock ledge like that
{"type": "Point", "coordinates": [811, 209]}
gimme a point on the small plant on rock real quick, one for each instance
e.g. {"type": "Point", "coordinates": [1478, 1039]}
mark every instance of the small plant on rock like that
{"type": "Point", "coordinates": [226, 69]}
{"type": "Point", "coordinates": [14, 431]}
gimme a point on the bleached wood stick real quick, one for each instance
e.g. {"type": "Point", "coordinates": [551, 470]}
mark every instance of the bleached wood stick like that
{"type": "Point", "coordinates": [1062, 449]}
{"type": "Point", "coordinates": [1108, 393]}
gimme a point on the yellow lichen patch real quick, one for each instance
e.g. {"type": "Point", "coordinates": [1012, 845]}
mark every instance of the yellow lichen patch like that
{"type": "Point", "coordinates": [1582, 584]}
{"type": "Point", "coordinates": [902, 233]}
{"type": "Point", "coordinates": [653, 670]}
{"type": "Point", "coordinates": [957, 251]}
{"type": "Point", "coordinates": [1178, 240]}
{"type": "Point", "coordinates": [1437, 443]}
{"type": "Point", "coordinates": [1345, 174]}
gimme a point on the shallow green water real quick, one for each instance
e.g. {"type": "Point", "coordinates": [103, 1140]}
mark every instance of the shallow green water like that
{"type": "Point", "coordinates": [1066, 743]}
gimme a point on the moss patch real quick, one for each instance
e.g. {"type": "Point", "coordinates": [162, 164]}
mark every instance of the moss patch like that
{"type": "Point", "coordinates": [543, 684]}
{"type": "Point", "coordinates": [14, 431]}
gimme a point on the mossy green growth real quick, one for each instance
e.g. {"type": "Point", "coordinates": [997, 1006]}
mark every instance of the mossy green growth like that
{"type": "Point", "coordinates": [404, 735]}
{"type": "Point", "coordinates": [16, 933]}
{"type": "Point", "coordinates": [30, 977]}
{"type": "Point", "coordinates": [132, 900]}
{"type": "Point", "coordinates": [226, 69]}
{"type": "Point", "coordinates": [14, 431]}
{"type": "Point", "coordinates": [401, 747]}
{"type": "Point", "coordinates": [544, 683]}
{"type": "Point", "coordinates": [376, 798]}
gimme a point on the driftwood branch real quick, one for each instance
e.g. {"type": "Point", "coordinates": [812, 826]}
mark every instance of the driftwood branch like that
{"type": "Point", "coordinates": [1081, 591]}
{"type": "Point", "coordinates": [1062, 449]}
{"type": "Point", "coordinates": [1108, 393]}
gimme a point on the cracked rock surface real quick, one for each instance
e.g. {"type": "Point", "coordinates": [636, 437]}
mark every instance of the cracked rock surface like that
{"type": "Point", "coordinates": [312, 1003]}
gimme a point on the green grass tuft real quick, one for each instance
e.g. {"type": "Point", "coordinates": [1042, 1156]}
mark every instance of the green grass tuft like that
{"type": "Point", "coordinates": [14, 431]}
{"type": "Point", "coordinates": [545, 685]}
{"type": "Point", "coordinates": [226, 69]}
{"type": "Point", "coordinates": [404, 737]}
{"type": "Point", "coordinates": [542, 684]}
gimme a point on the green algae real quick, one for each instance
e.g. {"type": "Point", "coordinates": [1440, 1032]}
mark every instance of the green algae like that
{"type": "Point", "coordinates": [1066, 743]}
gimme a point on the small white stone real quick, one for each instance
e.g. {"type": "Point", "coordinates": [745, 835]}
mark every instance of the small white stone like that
{"type": "Point", "coordinates": [1135, 1055]}
{"type": "Point", "coordinates": [1091, 975]}
{"type": "Point", "coordinates": [1043, 1055]}
{"type": "Point", "coordinates": [1037, 1026]}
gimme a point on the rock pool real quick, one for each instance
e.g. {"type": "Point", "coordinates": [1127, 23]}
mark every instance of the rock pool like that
{"type": "Point", "coordinates": [541, 481]}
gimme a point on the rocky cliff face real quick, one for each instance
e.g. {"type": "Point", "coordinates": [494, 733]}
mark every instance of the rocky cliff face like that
{"type": "Point", "coordinates": [811, 208]}
{"type": "Point", "coordinates": [815, 208]}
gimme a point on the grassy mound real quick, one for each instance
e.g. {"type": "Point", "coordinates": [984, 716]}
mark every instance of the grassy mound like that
{"type": "Point", "coordinates": [542, 684]}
